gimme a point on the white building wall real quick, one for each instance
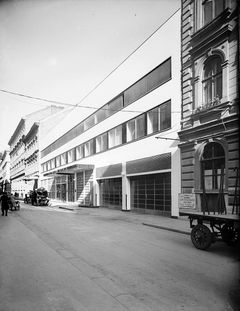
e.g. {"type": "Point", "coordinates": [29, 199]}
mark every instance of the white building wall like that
{"type": "Point", "coordinates": [163, 44]}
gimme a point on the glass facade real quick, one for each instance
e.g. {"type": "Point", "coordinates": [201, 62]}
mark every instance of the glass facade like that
{"type": "Point", "coordinates": [151, 192]}
{"type": "Point", "coordinates": [111, 192]}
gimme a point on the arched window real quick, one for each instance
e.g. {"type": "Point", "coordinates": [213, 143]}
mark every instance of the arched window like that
{"type": "Point", "coordinates": [211, 9]}
{"type": "Point", "coordinates": [213, 166]}
{"type": "Point", "coordinates": [212, 80]}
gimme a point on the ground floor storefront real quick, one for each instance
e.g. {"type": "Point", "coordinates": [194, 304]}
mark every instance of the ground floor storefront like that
{"type": "Point", "coordinates": [148, 193]}
{"type": "Point", "coordinates": [148, 185]}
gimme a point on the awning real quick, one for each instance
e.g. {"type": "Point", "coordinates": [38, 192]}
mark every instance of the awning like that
{"type": "Point", "coordinates": [109, 171]}
{"type": "Point", "coordinates": [31, 177]}
{"type": "Point", "coordinates": [70, 169]}
{"type": "Point", "coordinates": [149, 164]}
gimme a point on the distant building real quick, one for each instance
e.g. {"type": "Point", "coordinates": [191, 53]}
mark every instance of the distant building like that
{"type": "Point", "coordinates": [32, 143]}
{"type": "Point", "coordinates": [5, 171]}
{"type": "Point", "coordinates": [109, 155]}
{"type": "Point", "coordinates": [209, 136]}
{"type": "Point", "coordinates": [24, 150]}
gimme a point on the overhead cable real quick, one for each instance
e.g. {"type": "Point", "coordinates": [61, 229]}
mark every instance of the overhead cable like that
{"type": "Point", "coordinates": [72, 105]}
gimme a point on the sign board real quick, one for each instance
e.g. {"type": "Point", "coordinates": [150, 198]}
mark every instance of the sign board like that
{"type": "Point", "coordinates": [186, 200]}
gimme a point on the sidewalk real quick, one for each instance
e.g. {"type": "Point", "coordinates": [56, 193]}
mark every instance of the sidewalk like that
{"type": "Point", "coordinates": [179, 225]}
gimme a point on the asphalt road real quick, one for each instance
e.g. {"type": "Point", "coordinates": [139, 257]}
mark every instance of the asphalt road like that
{"type": "Point", "coordinates": [57, 260]}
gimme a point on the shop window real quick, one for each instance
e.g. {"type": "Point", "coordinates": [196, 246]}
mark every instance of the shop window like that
{"type": "Point", "coordinates": [101, 143]}
{"type": "Point", "coordinates": [212, 80]}
{"type": "Point", "coordinates": [79, 152]}
{"type": "Point", "coordinates": [111, 192]}
{"type": "Point", "coordinates": [151, 192]}
{"type": "Point", "coordinates": [115, 136]}
{"type": "Point", "coordinates": [212, 166]}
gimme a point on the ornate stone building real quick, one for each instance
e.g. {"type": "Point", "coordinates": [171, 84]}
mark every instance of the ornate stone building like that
{"type": "Point", "coordinates": [24, 148]}
{"type": "Point", "coordinates": [5, 171]}
{"type": "Point", "coordinates": [209, 136]}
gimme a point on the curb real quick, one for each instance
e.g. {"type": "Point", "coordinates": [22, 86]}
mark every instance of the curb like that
{"type": "Point", "coordinates": [167, 228]}
{"type": "Point", "coordinates": [66, 208]}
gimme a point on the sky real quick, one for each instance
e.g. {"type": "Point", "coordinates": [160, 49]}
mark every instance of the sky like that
{"type": "Point", "coordinates": [61, 49]}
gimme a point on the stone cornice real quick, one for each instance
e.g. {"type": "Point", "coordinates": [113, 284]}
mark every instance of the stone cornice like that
{"type": "Point", "coordinates": [219, 28]}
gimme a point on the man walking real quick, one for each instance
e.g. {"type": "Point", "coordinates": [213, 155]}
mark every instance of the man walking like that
{"type": "Point", "coordinates": [4, 204]}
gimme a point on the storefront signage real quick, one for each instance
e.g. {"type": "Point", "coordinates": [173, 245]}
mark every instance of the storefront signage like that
{"type": "Point", "coordinates": [186, 200]}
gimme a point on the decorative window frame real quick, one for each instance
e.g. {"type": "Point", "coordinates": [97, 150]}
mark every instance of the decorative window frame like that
{"type": "Point", "coordinates": [198, 70]}
{"type": "Point", "coordinates": [199, 149]}
{"type": "Point", "coordinates": [199, 13]}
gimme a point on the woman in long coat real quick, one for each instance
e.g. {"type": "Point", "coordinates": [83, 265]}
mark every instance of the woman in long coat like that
{"type": "Point", "coordinates": [4, 204]}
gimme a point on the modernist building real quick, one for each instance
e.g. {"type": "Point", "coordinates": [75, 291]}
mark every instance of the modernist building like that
{"type": "Point", "coordinates": [24, 149]}
{"type": "Point", "coordinates": [210, 99]}
{"type": "Point", "coordinates": [108, 154]}
{"type": "Point", "coordinates": [5, 171]}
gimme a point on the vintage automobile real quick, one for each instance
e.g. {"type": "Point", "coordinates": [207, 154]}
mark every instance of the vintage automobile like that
{"type": "Point", "coordinates": [42, 196]}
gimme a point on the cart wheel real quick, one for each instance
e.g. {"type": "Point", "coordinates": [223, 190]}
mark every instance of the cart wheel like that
{"type": "Point", "coordinates": [201, 236]}
{"type": "Point", "coordinates": [228, 233]}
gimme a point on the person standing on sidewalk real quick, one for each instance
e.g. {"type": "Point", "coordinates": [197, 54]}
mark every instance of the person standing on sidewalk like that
{"type": "Point", "coordinates": [4, 203]}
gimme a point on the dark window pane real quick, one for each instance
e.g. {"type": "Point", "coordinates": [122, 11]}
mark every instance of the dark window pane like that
{"type": "Point", "coordinates": [207, 11]}
{"type": "Point", "coordinates": [165, 116]}
{"type": "Point", "coordinates": [111, 192]}
{"type": "Point", "coordinates": [213, 167]}
{"type": "Point", "coordinates": [89, 122]}
{"type": "Point", "coordinates": [150, 195]}
{"type": "Point", "coordinates": [102, 114]}
{"type": "Point", "coordinates": [140, 126]}
{"type": "Point", "coordinates": [155, 78]}
{"type": "Point", "coordinates": [115, 105]}
{"type": "Point", "coordinates": [219, 7]}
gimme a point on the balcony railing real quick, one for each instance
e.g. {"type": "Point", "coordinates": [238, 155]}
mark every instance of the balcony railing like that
{"type": "Point", "coordinates": [208, 105]}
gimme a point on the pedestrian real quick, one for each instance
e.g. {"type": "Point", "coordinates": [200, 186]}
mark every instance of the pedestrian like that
{"type": "Point", "coordinates": [4, 203]}
{"type": "Point", "coordinates": [34, 197]}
